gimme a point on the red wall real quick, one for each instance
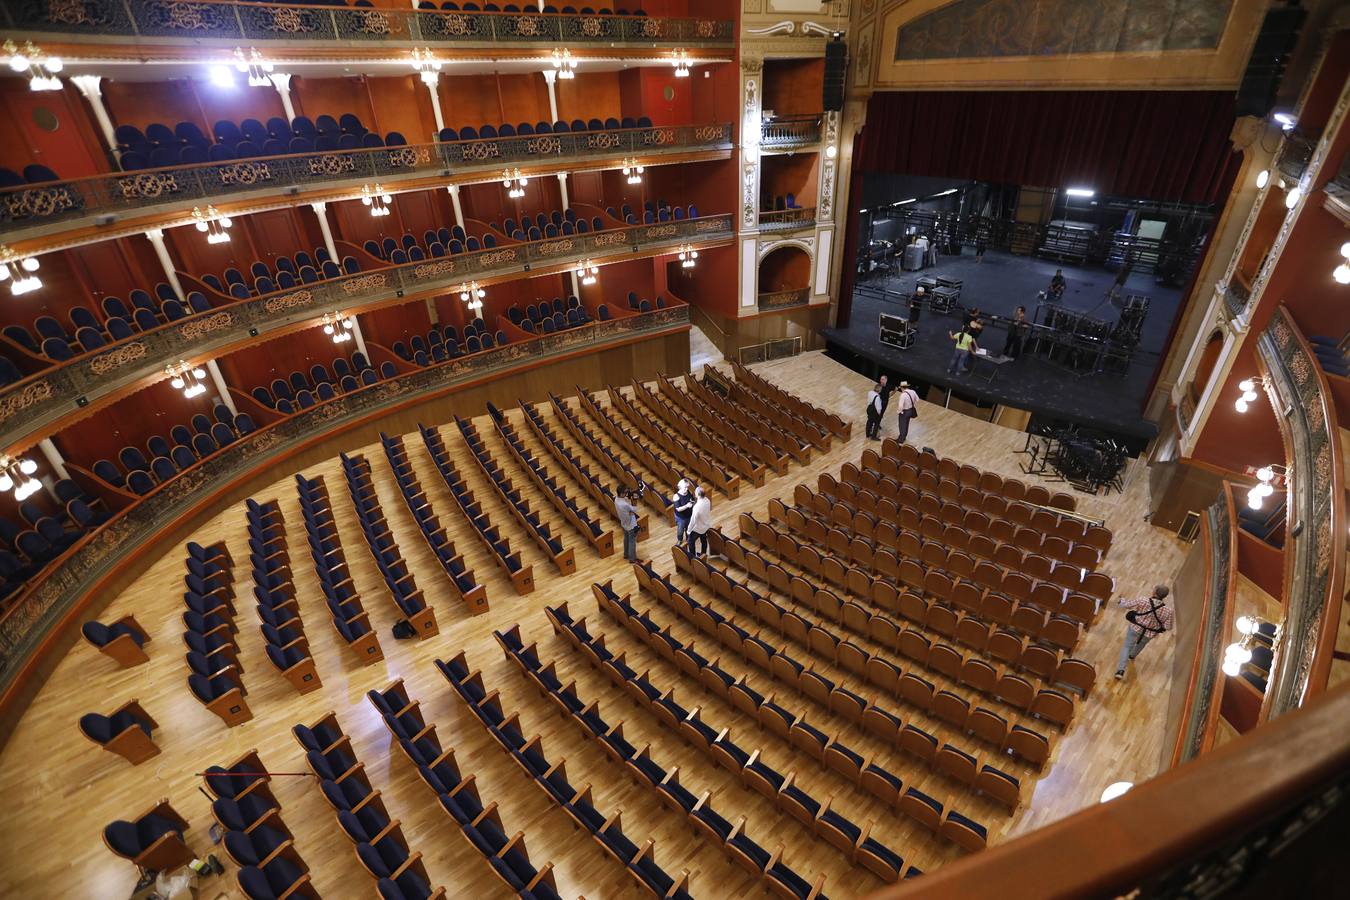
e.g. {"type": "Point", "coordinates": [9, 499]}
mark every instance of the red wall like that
{"type": "Point", "coordinates": [130, 422]}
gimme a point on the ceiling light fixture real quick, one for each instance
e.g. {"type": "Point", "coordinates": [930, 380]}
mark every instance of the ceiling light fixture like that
{"type": "Point", "coordinates": [18, 271]}
{"type": "Point", "coordinates": [1262, 179]}
{"type": "Point", "coordinates": [425, 64]}
{"type": "Point", "coordinates": [1342, 272]}
{"type": "Point", "coordinates": [1286, 121]}
{"type": "Point", "coordinates": [212, 223]}
{"type": "Point", "coordinates": [41, 71]}
{"type": "Point", "coordinates": [377, 198]}
{"type": "Point", "coordinates": [253, 65]}
{"type": "Point", "coordinates": [587, 272]}
{"type": "Point", "coordinates": [1248, 388]}
{"type": "Point", "coordinates": [564, 64]}
{"type": "Point", "coordinates": [688, 257]}
{"type": "Point", "coordinates": [1264, 488]}
{"type": "Point", "coordinates": [681, 63]}
{"type": "Point", "coordinates": [472, 296]}
{"type": "Point", "coordinates": [945, 193]}
{"type": "Point", "coordinates": [187, 378]}
{"type": "Point", "coordinates": [1081, 192]}
{"type": "Point", "coordinates": [514, 183]}
{"type": "Point", "coordinates": [632, 171]}
{"type": "Point", "coordinates": [338, 326]}
{"type": "Point", "coordinates": [15, 476]}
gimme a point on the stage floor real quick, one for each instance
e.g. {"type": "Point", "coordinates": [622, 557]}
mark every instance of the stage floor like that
{"type": "Point", "coordinates": [1111, 402]}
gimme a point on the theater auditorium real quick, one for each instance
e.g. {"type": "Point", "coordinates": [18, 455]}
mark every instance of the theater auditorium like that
{"type": "Point", "coordinates": [674, 448]}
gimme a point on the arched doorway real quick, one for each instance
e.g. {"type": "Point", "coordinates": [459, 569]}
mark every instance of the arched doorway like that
{"type": "Point", "coordinates": [784, 277]}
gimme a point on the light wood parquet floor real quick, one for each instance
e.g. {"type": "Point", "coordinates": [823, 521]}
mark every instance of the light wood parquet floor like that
{"type": "Point", "coordinates": [63, 790]}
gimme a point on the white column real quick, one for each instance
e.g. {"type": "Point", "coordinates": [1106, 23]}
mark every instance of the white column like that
{"type": "Point", "coordinates": [221, 387]}
{"type": "Point", "coordinates": [156, 237]}
{"type": "Point", "coordinates": [321, 212]}
{"type": "Point", "coordinates": [53, 457]}
{"type": "Point", "coordinates": [359, 337]}
{"type": "Point", "coordinates": [90, 86]}
{"type": "Point", "coordinates": [282, 82]}
{"type": "Point", "coordinates": [454, 201]}
{"type": "Point", "coordinates": [432, 81]}
{"type": "Point", "coordinates": [562, 187]}
{"type": "Point", "coordinates": [551, 79]}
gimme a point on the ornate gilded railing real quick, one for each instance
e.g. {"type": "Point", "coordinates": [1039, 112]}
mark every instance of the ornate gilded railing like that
{"type": "Point", "coordinates": [790, 131]}
{"type": "Point", "coordinates": [1200, 716]}
{"type": "Point", "coordinates": [1236, 297]}
{"type": "Point", "coordinates": [41, 399]}
{"type": "Point", "coordinates": [36, 209]}
{"type": "Point", "coordinates": [26, 618]}
{"type": "Point", "coordinates": [787, 219]}
{"type": "Point", "coordinates": [1295, 154]}
{"type": "Point", "coordinates": [774, 299]}
{"type": "Point", "coordinates": [1315, 543]}
{"type": "Point", "coordinates": [163, 21]}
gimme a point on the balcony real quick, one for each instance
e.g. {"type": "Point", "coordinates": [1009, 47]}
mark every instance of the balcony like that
{"type": "Point", "coordinates": [1337, 200]}
{"type": "Point", "coordinates": [1237, 295]}
{"type": "Point", "coordinates": [787, 219]}
{"type": "Point", "coordinates": [329, 27]}
{"type": "Point", "coordinates": [42, 400]}
{"type": "Point", "coordinates": [1295, 155]}
{"type": "Point", "coordinates": [790, 132]}
{"type": "Point", "coordinates": [781, 299]}
{"type": "Point", "coordinates": [116, 202]}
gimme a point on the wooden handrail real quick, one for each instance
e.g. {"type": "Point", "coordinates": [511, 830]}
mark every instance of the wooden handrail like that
{"type": "Point", "coordinates": [1248, 788]}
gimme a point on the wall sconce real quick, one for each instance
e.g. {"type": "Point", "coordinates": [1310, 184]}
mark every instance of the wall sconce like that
{"type": "Point", "coordinates": [253, 65]}
{"type": "Point", "coordinates": [564, 64]}
{"type": "Point", "coordinates": [1262, 179]}
{"type": "Point", "coordinates": [41, 72]}
{"type": "Point", "coordinates": [377, 199]}
{"type": "Point", "coordinates": [831, 151]}
{"type": "Point", "coordinates": [681, 63]}
{"type": "Point", "coordinates": [1292, 197]}
{"type": "Point", "coordinates": [472, 296]}
{"type": "Point", "coordinates": [1264, 488]}
{"type": "Point", "coordinates": [1342, 272]}
{"type": "Point", "coordinates": [587, 272]}
{"type": "Point", "coordinates": [212, 224]}
{"type": "Point", "coordinates": [632, 171]}
{"type": "Point", "coordinates": [514, 183]}
{"type": "Point", "coordinates": [1248, 387]}
{"type": "Point", "coordinates": [688, 257]}
{"type": "Point", "coordinates": [1239, 653]}
{"type": "Point", "coordinates": [18, 271]}
{"type": "Point", "coordinates": [338, 326]}
{"type": "Point", "coordinates": [187, 378]}
{"type": "Point", "coordinates": [425, 64]}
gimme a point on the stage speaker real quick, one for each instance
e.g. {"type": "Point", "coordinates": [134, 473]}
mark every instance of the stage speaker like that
{"type": "Point", "coordinates": [1275, 42]}
{"type": "Point", "coordinates": [836, 71]}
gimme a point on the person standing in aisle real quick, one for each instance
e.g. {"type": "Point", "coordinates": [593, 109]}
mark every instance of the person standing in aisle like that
{"type": "Point", "coordinates": [683, 502]}
{"type": "Point", "coordinates": [876, 405]}
{"type": "Point", "coordinates": [700, 520]}
{"type": "Point", "coordinates": [907, 408]}
{"type": "Point", "coordinates": [1148, 617]}
{"type": "Point", "coordinates": [628, 521]}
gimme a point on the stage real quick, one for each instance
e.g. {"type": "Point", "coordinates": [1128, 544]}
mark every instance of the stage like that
{"type": "Point", "coordinates": [998, 285]}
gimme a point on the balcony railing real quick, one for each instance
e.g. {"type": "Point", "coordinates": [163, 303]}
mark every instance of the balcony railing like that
{"type": "Point", "coordinates": [28, 617]}
{"type": "Point", "coordinates": [790, 131]}
{"type": "Point", "coordinates": [1295, 155]}
{"type": "Point", "coordinates": [787, 219]}
{"type": "Point", "coordinates": [778, 299]}
{"type": "Point", "coordinates": [1236, 296]}
{"type": "Point", "coordinates": [164, 21]}
{"type": "Point", "coordinates": [37, 209]}
{"type": "Point", "coordinates": [40, 400]}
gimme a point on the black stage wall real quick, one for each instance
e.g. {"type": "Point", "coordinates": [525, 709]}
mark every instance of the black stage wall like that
{"type": "Point", "coordinates": [1157, 145]}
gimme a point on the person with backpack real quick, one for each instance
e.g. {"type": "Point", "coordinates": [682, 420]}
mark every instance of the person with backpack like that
{"type": "Point", "coordinates": [908, 409]}
{"type": "Point", "coordinates": [876, 405]}
{"type": "Point", "coordinates": [683, 503]}
{"type": "Point", "coordinates": [1148, 617]}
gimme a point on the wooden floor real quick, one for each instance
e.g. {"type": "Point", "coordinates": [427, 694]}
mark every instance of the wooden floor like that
{"type": "Point", "coordinates": [62, 789]}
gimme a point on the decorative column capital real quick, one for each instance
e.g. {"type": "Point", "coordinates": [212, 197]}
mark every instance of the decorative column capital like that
{"type": "Point", "coordinates": [89, 85]}
{"type": "Point", "coordinates": [452, 189]}
{"type": "Point", "coordinates": [320, 207]}
{"type": "Point", "coordinates": [551, 75]}
{"type": "Point", "coordinates": [156, 235]}
{"type": "Point", "coordinates": [280, 80]}
{"type": "Point", "coordinates": [562, 176]}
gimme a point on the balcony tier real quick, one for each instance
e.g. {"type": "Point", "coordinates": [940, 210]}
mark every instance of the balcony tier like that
{"type": "Point", "coordinates": [37, 405]}
{"type": "Point", "coordinates": [201, 22]}
{"type": "Point", "coordinates": [126, 202]}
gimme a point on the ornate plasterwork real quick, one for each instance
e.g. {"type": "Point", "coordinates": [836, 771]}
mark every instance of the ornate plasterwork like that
{"type": "Point", "coordinates": [198, 328]}
{"type": "Point", "coordinates": [117, 358]}
{"type": "Point", "coordinates": [806, 244]}
{"type": "Point", "coordinates": [750, 132]}
{"type": "Point", "coordinates": [288, 301]}
{"type": "Point", "coordinates": [31, 395]}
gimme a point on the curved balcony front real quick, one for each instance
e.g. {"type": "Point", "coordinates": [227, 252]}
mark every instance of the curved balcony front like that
{"type": "Point", "coordinates": [39, 217]}
{"type": "Point", "coordinates": [29, 617]}
{"type": "Point", "coordinates": [38, 404]}
{"type": "Point", "coordinates": [211, 22]}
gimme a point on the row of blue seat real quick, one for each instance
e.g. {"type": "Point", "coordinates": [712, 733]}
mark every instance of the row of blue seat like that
{"type": "Point", "coordinates": [255, 836]}
{"type": "Point", "coordinates": [286, 276]}
{"type": "Point", "coordinates": [525, 129]}
{"type": "Point", "coordinates": [458, 794]}
{"type": "Point", "coordinates": [27, 551]}
{"type": "Point", "coordinates": [350, 619]}
{"type": "Point", "coordinates": [431, 351]}
{"type": "Point", "coordinates": [214, 674]}
{"type": "Point", "coordinates": [288, 396]}
{"type": "Point", "coordinates": [378, 840]}
{"type": "Point", "coordinates": [620, 470]}
{"type": "Point", "coordinates": [384, 548]}
{"type": "Point", "coordinates": [169, 456]}
{"type": "Point", "coordinates": [273, 588]}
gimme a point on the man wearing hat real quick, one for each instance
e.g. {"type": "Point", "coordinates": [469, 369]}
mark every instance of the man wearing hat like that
{"type": "Point", "coordinates": [907, 409]}
{"type": "Point", "coordinates": [683, 502]}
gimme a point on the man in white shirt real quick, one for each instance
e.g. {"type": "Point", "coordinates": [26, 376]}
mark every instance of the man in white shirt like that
{"type": "Point", "coordinates": [700, 522]}
{"type": "Point", "coordinates": [876, 405]}
{"type": "Point", "coordinates": [907, 408]}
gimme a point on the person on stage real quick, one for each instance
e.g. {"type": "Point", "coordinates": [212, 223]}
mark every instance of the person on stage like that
{"type": "Point", "coordinates": [965, 346]}
{"type": "Point", "coordinates": [1017, 333]}
{"type": "Point", "coordinates": [915, 306]}
{"type": "Point", "coordinates": [1057, 286]}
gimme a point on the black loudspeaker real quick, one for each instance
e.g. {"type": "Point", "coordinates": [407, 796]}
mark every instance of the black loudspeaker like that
{"type": "Point", "coordinates": [1270, 54]}
{"type": "Point", "coordinates": [836, 71]}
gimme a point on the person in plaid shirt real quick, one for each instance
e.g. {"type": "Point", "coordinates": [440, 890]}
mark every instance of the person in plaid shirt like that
{"type": "Point", "coordinates": [1148, 617]}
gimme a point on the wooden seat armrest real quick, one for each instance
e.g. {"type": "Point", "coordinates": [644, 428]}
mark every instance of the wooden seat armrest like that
{"type": "Point", "coordinates": [818, 889]}
{"type": "Point", "coordinates": [408, 863]}
{"type": "Point", "coordinates": [134, 707]}
{"type": "Point", "coordinates": [370, 798]}
{"type": "Point", "coordinates": [545, 874]}
{"type": "Point", "coordinates": [645, 850]}
{"type": "Point", "coordinates": [681, 884]}
{"type": "Point", "coordinates": [165, 810]}
{"type": "Point", "coordinates": [736, 829]}
{"type": "Point", "coordinates": [356, 769]}
{"type": "Point", "coordinates": [299, 885]}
